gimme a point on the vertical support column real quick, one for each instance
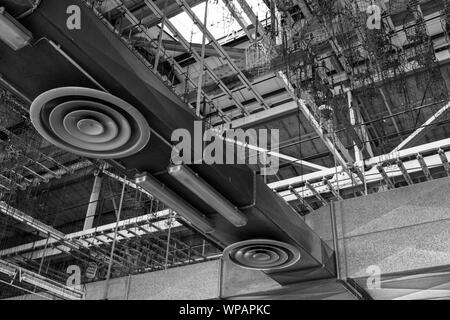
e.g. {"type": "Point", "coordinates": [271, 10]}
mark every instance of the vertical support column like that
{"type": "Point", "coordinates": [202, 64]}
{"type": "Point", "coordinates": [93, 201]}
{"type": "Point", "coordinates": [353, 118]}
{"type": "Point", "coordinates": [364, 132]}
{"type": "Point", "coordinates": [169, 233]}
{"type": "Point", "coordinates": [160, 38]}
{"type": "Point", "coordinates": [391, 114]}
{"type": "Point", "coordinates": [113, 246]}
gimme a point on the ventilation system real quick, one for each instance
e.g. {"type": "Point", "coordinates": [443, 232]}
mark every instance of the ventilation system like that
{"type": "Point", "coordinates": [89, 123]}
{"type": "Point", "coordinates": [263, 255]}
{"type": "Point", "coordinates": [229, 204]}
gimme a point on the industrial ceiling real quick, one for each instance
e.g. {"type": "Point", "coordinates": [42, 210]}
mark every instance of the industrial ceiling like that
{"type": "Point", "coordinates": [360, 110]}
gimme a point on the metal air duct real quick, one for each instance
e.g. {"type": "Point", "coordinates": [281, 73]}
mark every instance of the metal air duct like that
{"type": "Point", "coordinates": [67, 116]}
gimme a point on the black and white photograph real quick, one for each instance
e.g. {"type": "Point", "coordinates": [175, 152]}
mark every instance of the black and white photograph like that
{"type": "Point", "coordinates": [224, 158]}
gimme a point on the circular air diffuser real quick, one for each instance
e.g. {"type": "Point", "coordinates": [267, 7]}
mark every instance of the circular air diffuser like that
{"type": "Point", "coordinates": [89, 122]}
{"type": "Point", "coordinates": [264, 255]}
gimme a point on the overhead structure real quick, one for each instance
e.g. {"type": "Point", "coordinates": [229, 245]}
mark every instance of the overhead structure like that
{"type": "Point", "coordinates": [88, 174]}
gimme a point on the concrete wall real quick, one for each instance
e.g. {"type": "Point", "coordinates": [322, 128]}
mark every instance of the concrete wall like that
{"type": "Point", "coordinates": [193, 282]}
{"type": "Point", "coordinates": [197, 281]}
{"type": "Point", "coordinates": [403, 229]}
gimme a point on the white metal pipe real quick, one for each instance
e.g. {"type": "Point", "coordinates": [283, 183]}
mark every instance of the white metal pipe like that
{"type": "Point", "coordinates": [208, 194]}
{"type": "Point", "coordinates": [171, 199]}
{"type": "Point", "coordinates": [405, 153]}
{"type": "Point", "coordinates": [342, 181]}
{"type": "Point", "coordinates": [416, 133]}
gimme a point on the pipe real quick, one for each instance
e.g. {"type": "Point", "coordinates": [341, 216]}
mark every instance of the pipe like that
{"type": "Point", "coordinates": [57, 47]}
{"type": "Point", "coordinates": [161, 34]}
{"type": "Point", "coordinates": [208, 194]}
{"type": "Point", "coordinates": [174, 201]}
{"type": "Point", "coordinates": [47, 176]}
{"type": "Point", "coordinates": [202, 70]}
{"type": "Point", "coordinates": [35, 5]}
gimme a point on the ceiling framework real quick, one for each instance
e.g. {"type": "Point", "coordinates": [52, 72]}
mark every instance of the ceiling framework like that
{"type": "Point", "coordinates": [360, 110]}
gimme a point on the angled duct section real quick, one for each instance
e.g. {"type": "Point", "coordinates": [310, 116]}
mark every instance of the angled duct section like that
{"type": "Point", "coordinates": [228, 204]}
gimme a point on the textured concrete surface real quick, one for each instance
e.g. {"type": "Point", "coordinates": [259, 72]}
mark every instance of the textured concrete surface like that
{"type": "Point", "coordinates": [197, 281]}
{"type": "Point", "coordinates": [398, 230]}
{"type": "Point", "coordinates": [117, 289]}
{"type": "Point", "coordinates": [194, 282]}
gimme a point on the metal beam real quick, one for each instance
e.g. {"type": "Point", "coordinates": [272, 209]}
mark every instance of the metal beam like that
{"type": "Point", "coordinates": [424, 166]}
{"type": "Point", "coordinates": [196, 56]}
{"type": "Point", "coordinates": [67, 244]}
{"type": "Point", "coordinates": [339, 174]}
{"type": "Point", "coordinates": [316, 126]}
{"type": "Point", "coordinates": [224, 55]}
{"type": "Point", "coordinates": [129, 229]}
{"type": "Point", "coordinates": [300, 198]}
{"type": "Point", "coordinates": [290, 159]}
{"type": "Point", "coordinates": [342, 181]}
{"type": "Point", "coordinates": [30, 277]}
{"type": "Point", "coordinates": [267, 43]}
{"type": "Point", "coordinates": [315, 193]}
{"type": "Point", "coordinates": [46, 177]}
{"type": "Point", "coordinates": [405, 172]}
{"type": "Point", "coordinates": [238, 17]}
{"type": "Point", "coordinates": [235, 53]}
{"type": "Point", "coordinates": [391, 114]}
{"type": "Point", "coordinates": [262, 116]}
{"type": "Point", "coordinates": [386, 179]}
{"type": "Point", "coordinates": [149, 20]}
{"type": "Point", "coordinates": [332, 189]}
{"type": "Point", "coordinates": [444, 161]}
{"type": "Point", "coordinates": [93, 201]}
{"type": "Point", "coordinates": [420, 130]}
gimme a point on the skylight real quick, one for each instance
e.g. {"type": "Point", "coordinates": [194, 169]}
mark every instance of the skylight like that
{"type": "Point", "coordinates": [220, 21]}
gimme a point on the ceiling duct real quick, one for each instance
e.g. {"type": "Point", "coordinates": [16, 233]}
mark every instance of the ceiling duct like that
{"type": "Point", "coordinates": [15, 35]}
{"type": "Point", "coordinates": [107, 59]}
{"type": "Point", "coordinates": [262, 254]}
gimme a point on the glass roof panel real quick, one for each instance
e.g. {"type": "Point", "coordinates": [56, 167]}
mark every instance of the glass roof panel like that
{"type": "Point", "coordinates": [220, 21]}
